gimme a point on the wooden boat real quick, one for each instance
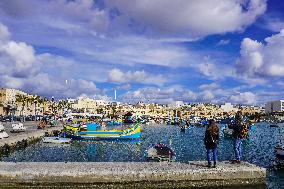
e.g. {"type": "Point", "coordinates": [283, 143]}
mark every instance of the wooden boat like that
{"type": "Point", "coordinates": [56, 140]}
{"type": "Point", "coordinates": [160, 152]}
{"type": "Point", "coordinates": [128, 134]}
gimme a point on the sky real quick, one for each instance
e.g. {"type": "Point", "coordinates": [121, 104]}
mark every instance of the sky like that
{"type": "Point", "coordinates": [212, 51]}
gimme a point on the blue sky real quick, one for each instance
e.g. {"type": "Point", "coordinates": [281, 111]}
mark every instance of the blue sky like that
{"type": "Point", "coordinates": [148, 50]}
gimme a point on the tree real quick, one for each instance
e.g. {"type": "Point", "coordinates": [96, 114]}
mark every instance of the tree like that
{"type": "Point", "coordinates": [1, 95]}
{"type": "Point", "coordinates": [21, 99]}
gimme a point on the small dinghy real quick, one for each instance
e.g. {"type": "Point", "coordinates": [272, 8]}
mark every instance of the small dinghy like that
{"type": "Point", "coordinates": [56, 140]}
{"type": "Point", "coordinates": [160, 152]}
{"type": "Point", "coordinates": [3, 134]}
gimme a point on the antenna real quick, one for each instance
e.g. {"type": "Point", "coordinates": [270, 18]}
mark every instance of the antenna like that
{"type": "Point", "coordinates": [115, 94]}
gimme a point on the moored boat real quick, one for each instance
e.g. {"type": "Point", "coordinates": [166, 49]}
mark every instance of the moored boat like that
{"type": "Point", "coordinates": [56, 140]}
{"type": "Point", "coordinates": [128, 134]}
{"type": "Point", "coordinates": [160, 152]}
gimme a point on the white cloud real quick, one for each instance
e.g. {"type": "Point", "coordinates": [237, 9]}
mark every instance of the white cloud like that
{"type": "Point", "coordinates": [224, 42]}
{"type": "Point", "coordinates": [71, 16]}
{"type": "Point", "coordinates": [207, 95]}
{"type": "Point", "coordinates": [126, 86]}
{"type": "Point", "coordinates": [188, 18]}
{"type": "Point", "coordinates": [271, 23]}
{"type": "Point", "coordinates": [17, 58]}
{"type": "Point", "coordinates": [133, 51]}
{"type": "Point", "coordinates": [22, 68]}
{"type": "Point", "coordinates": [180, 19]}
{"type": "Point", "coordinates": [4, 33]}
{"type": "Point", "coordinates": [262, 59]}
{"type": "Point", "coordinates": [189, 96]}
{"type": "Point", "coordinates": [211, 86]}
{"type": "Point", "coordinates": [214, 70]}
{"type": "Point", "coordinates": [118, 76]}
{"type": "Point", "coordinates": [169, 94]}
{"type": "Point", "coordinates": [247, 98]}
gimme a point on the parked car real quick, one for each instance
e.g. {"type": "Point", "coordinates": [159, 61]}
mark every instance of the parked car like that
{"type": "Point", "coordinates": [18, 127]}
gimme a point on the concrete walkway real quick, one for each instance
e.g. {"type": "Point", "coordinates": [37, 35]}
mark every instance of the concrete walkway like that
{"type": "Point", "coordinates": [31, 133]}
{"type": "Point", "coordinates": [132, 174]}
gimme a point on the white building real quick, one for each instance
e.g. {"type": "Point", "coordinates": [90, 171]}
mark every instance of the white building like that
{"type": "Point", "coordinates": [227, 107]}
{"type": "Point", "coordinates": [176, 104]}
{"type": "Point", "coordinates": [274, 106]}
{"type": "Point", "coordinates": [8, 101]}
{"type": "Point", "coordinates": [102, 102]}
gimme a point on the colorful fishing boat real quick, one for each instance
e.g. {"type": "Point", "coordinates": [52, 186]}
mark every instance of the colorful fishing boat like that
{"type": "Point", "coordinates": [128, 134]}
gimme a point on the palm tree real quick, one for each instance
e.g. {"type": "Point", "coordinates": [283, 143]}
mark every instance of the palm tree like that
{"type": "Point", "coordinates": [29, 101]}
{"type": "Point", "coordinates": [21, 99]}
{"type": "Point", "coordinates": [44, 102]}
{"type": "Point", "coordinates": [36, 99]}
{"type": "Point", "coordinates": [1, 95]}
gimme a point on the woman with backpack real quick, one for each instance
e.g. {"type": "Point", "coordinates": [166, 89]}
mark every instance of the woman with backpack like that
{"type": "Point", "coordinates": [211, 139]}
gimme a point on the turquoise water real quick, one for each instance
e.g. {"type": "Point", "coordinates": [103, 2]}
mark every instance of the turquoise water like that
{"type": "Point", "coordinates": [188, 146]}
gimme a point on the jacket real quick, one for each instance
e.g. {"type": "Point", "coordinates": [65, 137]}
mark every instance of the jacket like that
{"type": "Point", "coordinates": [211, 137]}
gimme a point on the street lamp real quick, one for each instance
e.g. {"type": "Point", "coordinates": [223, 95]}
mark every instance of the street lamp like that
{"type": "Point", "coordinates": [35, 102]}
{"type": "Point", "coordinates": [13, 110]}
{"type": "Point", "coordinates": [52, 106]}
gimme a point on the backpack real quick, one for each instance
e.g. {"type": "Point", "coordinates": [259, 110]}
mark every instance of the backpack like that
{"type": "Point", "coordinates": [243, 131]}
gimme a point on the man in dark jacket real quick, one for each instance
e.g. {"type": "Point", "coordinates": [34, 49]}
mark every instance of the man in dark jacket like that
{"type": "Point", "coordinates": [211, 139]}
{"type": "Point", "coordinates": [237, 126]}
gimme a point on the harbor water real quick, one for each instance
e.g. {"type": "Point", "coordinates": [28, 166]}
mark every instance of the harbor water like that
{"type": "Point", "coordinates": [188, 146]}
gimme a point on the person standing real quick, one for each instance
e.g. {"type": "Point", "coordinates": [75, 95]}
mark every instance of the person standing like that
{"type": "Point", "coordinates": [237, 129]}
{"type": "Point", "coordinates": [211, 139]}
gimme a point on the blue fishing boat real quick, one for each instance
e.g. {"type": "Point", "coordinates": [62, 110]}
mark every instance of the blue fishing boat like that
{"type": "Point", "coordinates": [132, 133]}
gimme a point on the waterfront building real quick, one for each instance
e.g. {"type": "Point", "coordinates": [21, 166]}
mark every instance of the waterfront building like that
{"type": "Point", "coordinates": [84, 104]}
{"type": "Point", "coordinates": [9, 102]}
{"type": "Point", "coordinates": [228, 107]}
{"type": "Point", "coordinates": [274, 106]}
{"type": "Point", "coordinates": [176, 104]}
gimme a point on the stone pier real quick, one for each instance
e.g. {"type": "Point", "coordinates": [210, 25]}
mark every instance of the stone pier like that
{"type": "Point", "coordinates": [131, 174]}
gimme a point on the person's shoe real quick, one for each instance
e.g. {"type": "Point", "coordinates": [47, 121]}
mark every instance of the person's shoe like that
{"type": "Point", "coordinates": [238, 162]}
{"type": "Point", "coordinates": [209, 165]}
{"type": "Point", "coordinates": [214, 166]}
{"type": "Point", "coordinates": [233, 161]}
